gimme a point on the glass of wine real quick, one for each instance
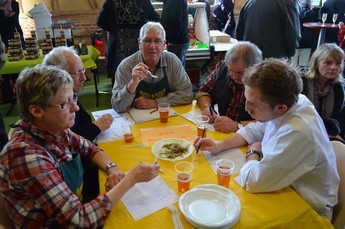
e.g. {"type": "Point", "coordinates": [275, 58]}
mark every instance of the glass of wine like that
{"type": "Point", "coordinates": [334, 18]}
{"type": "Point", "coordinates": [324, 18]}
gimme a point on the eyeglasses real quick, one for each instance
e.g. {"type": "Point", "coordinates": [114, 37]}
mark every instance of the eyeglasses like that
{"type": "Point", "coordinates": [79, 73]}
{"type": "Point", "coordinates": [235, 73]}
{"type": "Point", "coordinates": [66, 105]}
{"type": "Point", "coordinates": [148, 42]}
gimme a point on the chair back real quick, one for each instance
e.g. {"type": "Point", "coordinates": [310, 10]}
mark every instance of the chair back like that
{"type": "Point", "coordinates": [338, 219]}
{"type": "Point", "coordinates": [5, 221]}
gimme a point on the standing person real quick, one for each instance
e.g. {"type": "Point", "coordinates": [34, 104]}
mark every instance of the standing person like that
{"type": "Point", "coordinates": [224, 87]}
{"type": "Point", "coordinates": [324, 85]}
{"type": "Point", "coordinates": [123, 20]}
{"type": "Point", "coordinates": [306, 44]}
{"type": "Point", "coordinates": [331, 7]}
{"type": "Point", "coordinates": [14, 20]}
{"type": "Point", "coordinates": [68, 60]}
{"type": "Point", "coordinates": [288, 145]}
{"type": "Point", "coordinates": [134, 86]}
{"type": "Point", "coordinates": [273, 25]}
{"type": "Point", "coordinates": [6, 27]}
{"type": "Point", "coordinates": [223, 12]}
{"type": "Point", "coordinates": [175, 22]}
{"type": "Point", "coordinates": [40, 168]}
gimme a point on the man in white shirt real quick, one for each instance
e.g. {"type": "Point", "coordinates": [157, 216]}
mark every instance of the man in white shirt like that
{"type": "Point", "coordinates": [288, 145]}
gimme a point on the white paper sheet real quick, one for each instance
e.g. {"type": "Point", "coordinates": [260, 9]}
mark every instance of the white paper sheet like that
{"type": "Point", "coordinates": [115, 131]}
{"type": "Point", "coordinates": [234, 155]}
{"type": "Point", "coordinates": [191, 116]}
{"type": "Point", "coordinates": [148, 197]}
{"type": "Point", "coordinates": [145, 115]}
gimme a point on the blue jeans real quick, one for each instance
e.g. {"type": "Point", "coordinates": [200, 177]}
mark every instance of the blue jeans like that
{"type": "Point", "coordinates": [180, 50]}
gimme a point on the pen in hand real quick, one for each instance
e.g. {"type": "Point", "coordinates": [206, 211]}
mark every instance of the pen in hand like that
{"type": "Point", "coordinates": [211, 112]}
{"type": "Point", "coordinates": [202, 135]}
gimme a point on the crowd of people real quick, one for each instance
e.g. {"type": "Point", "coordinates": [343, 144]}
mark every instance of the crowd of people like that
{"type": "Point", "coordinates": [286, 117]}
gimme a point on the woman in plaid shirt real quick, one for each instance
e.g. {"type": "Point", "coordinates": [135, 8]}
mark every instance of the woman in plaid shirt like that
{"type": "Point", "coordinates": [40, 173]}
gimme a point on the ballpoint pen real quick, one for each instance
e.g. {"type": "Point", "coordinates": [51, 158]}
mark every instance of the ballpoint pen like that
{"type": "Point", "coordinates": [153, 111]}
{"type": "Point", "coordinates": [211, 112]}
{"type": "Point", "coordinates": [202, 135]}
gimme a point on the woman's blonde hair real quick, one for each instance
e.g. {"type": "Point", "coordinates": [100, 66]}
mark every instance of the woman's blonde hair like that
{"type": "Point", "coordinates": [324, 51]}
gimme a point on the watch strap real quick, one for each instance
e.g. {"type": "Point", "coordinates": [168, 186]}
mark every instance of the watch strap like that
{"type": "Point", "coordinates": [110, 165]}
{"type": "Point", "coordinates": [253, 151]}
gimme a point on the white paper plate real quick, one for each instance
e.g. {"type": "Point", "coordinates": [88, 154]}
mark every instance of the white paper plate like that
{"type": "Point", "coordinates": [158, 145]}
{"type": "Point", "coordinates": [210, 206]}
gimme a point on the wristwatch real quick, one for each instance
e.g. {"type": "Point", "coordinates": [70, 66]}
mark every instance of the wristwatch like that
{"type": "Point", "coordinates": [253, 151]}
{"type": "Point", "coordinates": [239, 125]}
{"type": "Point", "coordinates": [110, 165]}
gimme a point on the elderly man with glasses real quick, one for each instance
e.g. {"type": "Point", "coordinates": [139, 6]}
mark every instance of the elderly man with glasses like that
{"type": "Point", "coordinates": [151, 75]}
{"type": "Point", "coordinates": [224, 87]}
{"type": "Point", "coordinates": [68, 60]}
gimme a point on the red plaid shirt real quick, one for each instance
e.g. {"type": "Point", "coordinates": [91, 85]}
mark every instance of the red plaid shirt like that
{"type": "Point", "coordinates": [32, 185]}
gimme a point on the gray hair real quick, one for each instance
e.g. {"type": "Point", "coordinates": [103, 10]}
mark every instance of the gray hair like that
{"type": "Point", "coordinates": [57, 57]}
{"type": "Point", "coordinates": [38, 85]}
{"type": "Point", "coordinates": [244, 51]}
{"type": "Point", "coordinates": [151, 26]}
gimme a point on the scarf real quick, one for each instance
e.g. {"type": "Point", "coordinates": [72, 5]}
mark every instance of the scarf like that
{"type": "Point", "coordinates": [322, 100]}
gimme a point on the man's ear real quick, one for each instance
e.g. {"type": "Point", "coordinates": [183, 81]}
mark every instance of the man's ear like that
{"type": "Point", "coordinates": [36, 111]}
{"type": "Point", "coordinates": [281, 109]}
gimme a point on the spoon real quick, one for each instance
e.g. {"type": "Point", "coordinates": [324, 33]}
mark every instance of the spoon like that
{"type": "Point", "coordinates": [153, 76]}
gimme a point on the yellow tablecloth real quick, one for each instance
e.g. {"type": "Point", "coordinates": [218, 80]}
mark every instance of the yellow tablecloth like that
{"type": "Point", "coordinates": [282, 209]}
{"type": "Point", "coordinates": [11, 67]}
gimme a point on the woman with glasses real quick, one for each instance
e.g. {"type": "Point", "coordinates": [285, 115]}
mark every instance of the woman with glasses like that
{"type": "Point", "coordinates": [151, 75]}
{"type": "Point", "coordinates": [40, 168]}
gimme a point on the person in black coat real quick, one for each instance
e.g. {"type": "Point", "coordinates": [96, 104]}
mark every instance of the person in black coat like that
{"type": "Point", "coordinates": [330, 7]}
{"type": "Point", "coordinates": [123, 20]}
{"type": "Point", "coordinates": [175, 22]}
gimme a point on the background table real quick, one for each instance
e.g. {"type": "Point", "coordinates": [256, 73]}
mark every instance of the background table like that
{"type": "Point", "coordinates": [281, 209]}
{"type": "Point", "coordinates": [322, 30]}
{"type": "Point", "coordinates": [89, 62]}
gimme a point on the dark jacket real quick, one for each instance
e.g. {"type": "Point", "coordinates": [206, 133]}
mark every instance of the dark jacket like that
{"type": "Point", "coordinates": [330, 7]}
{"type": "Point", "coordinates": [273, 25]}
{"type": "Point", "coordinates": [224, 16]}
{"type": "Point", "coordinates": [221, 95]}
{"type": "Point", "coordinates": [339, 104]}
{"type": "Point", "coordinates": [175, 21]}
{"type": "Point", "coordinates": [3, 136]}
{"type": "Point", "coordinates": [83, 124]}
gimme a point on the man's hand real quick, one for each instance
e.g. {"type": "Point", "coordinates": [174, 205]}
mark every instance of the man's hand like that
{"type": "Point", "coordinates": [144, 103]}
{"type": "Point", "coordinates": [225, 124]}
{"type": "Point", "coordinates": [104, 122]}
{"type": "Point", "coordinates": [139, 73]}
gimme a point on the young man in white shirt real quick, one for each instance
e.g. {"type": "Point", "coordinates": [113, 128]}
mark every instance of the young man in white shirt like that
{"type": "Point", "coordinates": [288, 145]}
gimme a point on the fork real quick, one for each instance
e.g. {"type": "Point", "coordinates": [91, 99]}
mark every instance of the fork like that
{"type": "Point", "coordinates": [175, 217]}
{"type": "Point", "coordinates": [153, 76]}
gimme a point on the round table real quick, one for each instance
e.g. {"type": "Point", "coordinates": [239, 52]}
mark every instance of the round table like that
{"type": "Point", "coordinates": [322, 30]}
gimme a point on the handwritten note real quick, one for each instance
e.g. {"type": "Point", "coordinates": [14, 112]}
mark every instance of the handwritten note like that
{"type": "Point", "coordinates": [115, 130]}
{"type": "Point", "coordinates": [191, 116]}
{"type": "Point", "coordinates": [151, 135]}
{"type": "Point", "coordinates": [148, 197]}
{"type": "Point", "coordinates": [144, 115]}
{"type": "Point", "coordinates": [234, 155]}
